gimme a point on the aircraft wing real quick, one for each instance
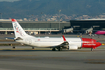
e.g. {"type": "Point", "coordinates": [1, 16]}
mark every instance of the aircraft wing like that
{"type": "Point", "coordinates": [65, 44]}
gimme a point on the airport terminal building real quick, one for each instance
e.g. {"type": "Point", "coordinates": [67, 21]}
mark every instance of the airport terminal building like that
{"type": "Point", "coordinates": [44, 27]}
{"type": "Point", "coordinates": [92, 24]}
{"type": "Point", "coordinates": [34, 27]}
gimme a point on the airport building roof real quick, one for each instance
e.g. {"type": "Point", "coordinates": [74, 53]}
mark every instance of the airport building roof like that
{"type": "Point", "coordinates": [34, 25]}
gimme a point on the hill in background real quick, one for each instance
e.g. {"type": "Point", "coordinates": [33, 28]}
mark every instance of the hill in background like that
{"type": "Point", "coordinates": [25, 8]}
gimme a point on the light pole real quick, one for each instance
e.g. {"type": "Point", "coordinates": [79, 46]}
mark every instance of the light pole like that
{"type": "Point", "coordinates": [59, 18]}
{"type": "Point", "coordinates": [41, 16]}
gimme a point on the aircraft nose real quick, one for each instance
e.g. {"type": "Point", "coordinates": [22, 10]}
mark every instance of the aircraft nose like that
{"type": "Point", "coordinates": [98, 44]}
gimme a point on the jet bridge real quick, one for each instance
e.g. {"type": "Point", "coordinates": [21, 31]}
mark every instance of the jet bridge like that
{"type": "Point", "coordinates": [90, 30]}
{"type": "Point", "coordinates": [68, 30]}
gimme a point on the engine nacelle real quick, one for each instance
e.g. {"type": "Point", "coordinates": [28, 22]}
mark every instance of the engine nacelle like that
{"type": "Point", "coordinates": [73, 47]}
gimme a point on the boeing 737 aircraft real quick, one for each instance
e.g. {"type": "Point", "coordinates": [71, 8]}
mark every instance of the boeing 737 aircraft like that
{"type": "Point", "coordinates": [54, 43]}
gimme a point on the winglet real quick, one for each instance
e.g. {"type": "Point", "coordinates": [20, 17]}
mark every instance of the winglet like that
{"type": "Point", "coordinates": [64, 38]}
{"type": "Point", "coordinates": [13, 20]}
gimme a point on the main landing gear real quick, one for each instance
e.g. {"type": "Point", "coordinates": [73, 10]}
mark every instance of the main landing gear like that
{"type": "Point", "coordinates": [53, 49]}
{"type": "Point", "coordinates": [32, 47]}
{"type": "Point", "coordinates": [59, 49]}
{"type": "Point", "coordinates": [12, 46]}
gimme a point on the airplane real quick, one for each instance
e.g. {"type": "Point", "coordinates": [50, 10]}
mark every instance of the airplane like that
{"type": "Point", "coordinates": [52, 42]}
{"type": "Point", "coordinates": [100, 32]}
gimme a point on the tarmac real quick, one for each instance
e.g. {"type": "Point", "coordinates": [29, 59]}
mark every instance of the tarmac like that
{"type": "Point", "coordinates": [83, 59]}
{"type": "Point", "coordinates": [24, 58]}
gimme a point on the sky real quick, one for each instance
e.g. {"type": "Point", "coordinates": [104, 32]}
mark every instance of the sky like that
{"type": "Point", "coordinates": [8, 0]}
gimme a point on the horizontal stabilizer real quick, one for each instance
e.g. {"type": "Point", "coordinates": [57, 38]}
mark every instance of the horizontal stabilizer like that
{"type": "Point", "coordinates": [9, 38]}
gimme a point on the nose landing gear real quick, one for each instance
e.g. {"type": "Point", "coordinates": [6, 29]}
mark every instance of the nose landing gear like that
{"type": "Point", "coordinates": [91, 49]}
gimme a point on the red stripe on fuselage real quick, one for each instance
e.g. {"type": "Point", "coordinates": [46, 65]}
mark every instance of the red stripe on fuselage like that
{"type": "Point", "coordinates": [89, 43]}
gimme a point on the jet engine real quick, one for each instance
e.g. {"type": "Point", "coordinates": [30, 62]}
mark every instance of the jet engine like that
{"type": "Point", "coordinates": [73, 47]}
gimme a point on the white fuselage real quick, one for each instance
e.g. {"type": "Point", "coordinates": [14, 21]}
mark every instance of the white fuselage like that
{"type": "Point", "coordinates": [49, 42]}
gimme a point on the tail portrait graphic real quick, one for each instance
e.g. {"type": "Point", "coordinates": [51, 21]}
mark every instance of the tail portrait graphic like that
{"type": "Point", "coordinates": [18, 30]}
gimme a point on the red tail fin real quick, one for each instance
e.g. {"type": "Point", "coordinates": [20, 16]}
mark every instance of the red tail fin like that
{"type": "Point", "coordinates": [13, 20]}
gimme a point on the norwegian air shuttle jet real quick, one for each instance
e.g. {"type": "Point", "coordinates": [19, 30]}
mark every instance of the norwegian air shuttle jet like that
{"type": "Point", "coordinates": [54, 43]}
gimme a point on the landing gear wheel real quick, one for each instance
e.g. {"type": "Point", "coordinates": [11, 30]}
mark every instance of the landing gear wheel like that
{"type": "Point", "coordinates": [59, 49]}
{"type": "Point", "coordinates": [91, 49]}
{"type": "Point", "coordinates": [53, 49]}
{"type": "Point", "coordinates": [13, 47]}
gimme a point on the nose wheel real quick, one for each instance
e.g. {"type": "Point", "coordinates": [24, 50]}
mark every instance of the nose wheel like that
{"type": "Point", "coordinates": [91, 49]}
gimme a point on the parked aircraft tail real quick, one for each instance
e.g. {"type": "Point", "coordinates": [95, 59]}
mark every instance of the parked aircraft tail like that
{"type": "Point", "coordinates": [18, 30]}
